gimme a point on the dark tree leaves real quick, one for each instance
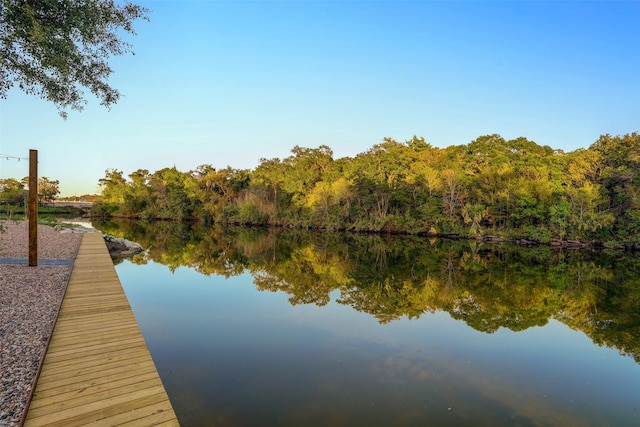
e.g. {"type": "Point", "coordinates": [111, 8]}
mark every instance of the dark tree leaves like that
{"type": "Point", "coordinates": [55, 48]}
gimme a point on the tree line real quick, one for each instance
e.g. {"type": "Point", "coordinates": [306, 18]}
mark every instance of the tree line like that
{"type": "Point", "coordinates": [513, 189]}
{"type": "Point", "coordinates": [15, 193]}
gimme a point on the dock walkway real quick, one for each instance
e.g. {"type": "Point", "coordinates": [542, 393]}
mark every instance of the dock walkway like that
{"type": "Point", "coordinates": [98, 370]}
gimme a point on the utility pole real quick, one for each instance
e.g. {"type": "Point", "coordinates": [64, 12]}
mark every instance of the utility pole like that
{"type": "Point", "coordinates": [33, 208]}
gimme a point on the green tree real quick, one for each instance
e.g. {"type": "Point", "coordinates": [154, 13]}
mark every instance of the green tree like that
{"type": "Point", "coordinates": [138, 197]}
{"type": "Point", "coordinates": [113, 187]}
{"type": "Point", "coordinates": [453, 193]}
{"type": "Point", "coordinates": [270, 174]}
{"type": "Point", "coordinates": [384, 185]}
{"type": "Point", "coordinates": [216, 189]}
{"type": "Point", "coordinates": [330, 201]}
{"type": "Point", "coordinates": [620, 176]}
{"type": "Point", "coordinates": [48, 190]}
{"type": "Point", "coordinates": [172, 198]}
{"type": "Point", "coordinates": [560, 218]}
{"type": "Point", "coordinates": [12, 192]}
{"type": "Point", "coordinates": [304, 168]}
{"type": "Point", "coordinates": [54, 48]}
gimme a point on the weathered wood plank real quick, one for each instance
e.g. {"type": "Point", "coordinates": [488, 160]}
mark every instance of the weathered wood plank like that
{"type": "Point", "coordinates": [90, 350]}
{"type": "Point", "coordinates": [91, 413]}
{"type": "Point", "coordinates": [79, 384]}
{"type": "Point", "coordinates": [83, 399]}
{"type": "Point", "coordinates": [97, 369]}
{"type": "Point", "coordinates": [155, 415]}
{"type": "Point", "coordinates": [71, 368]}
{"type": "Point", "coordinates": [124, 346]}
{"type": "Point", "coordinates": [96, 358]}
{"type": "Point", "coordinates": [92, 338]}
{"type": "Point", "coordinates": [57, 395]}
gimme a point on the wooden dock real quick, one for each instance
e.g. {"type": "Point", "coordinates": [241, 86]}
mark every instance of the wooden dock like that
{"type": "Point", "coordinates": [98, 370]}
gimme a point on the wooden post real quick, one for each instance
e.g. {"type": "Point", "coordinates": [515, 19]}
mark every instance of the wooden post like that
{"type": "Point", "coordinates": [33, 208]}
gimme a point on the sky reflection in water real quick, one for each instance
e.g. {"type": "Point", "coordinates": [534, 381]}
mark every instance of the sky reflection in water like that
{"type": "Point", "coordinates": [230, 355]}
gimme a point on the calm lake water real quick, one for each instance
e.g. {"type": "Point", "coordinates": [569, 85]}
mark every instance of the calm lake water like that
{"type": "Point", "coordinates": [270, 328]}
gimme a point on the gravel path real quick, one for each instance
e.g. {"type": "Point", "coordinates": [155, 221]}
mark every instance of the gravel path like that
{"type": "Point", "coordinates": [30, 298]}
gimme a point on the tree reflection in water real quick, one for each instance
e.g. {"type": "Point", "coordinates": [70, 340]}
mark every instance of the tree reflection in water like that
{"type": "Point", "coordinates": [488, 286]}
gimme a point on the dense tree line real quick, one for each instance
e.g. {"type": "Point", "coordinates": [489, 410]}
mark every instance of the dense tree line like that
{"type": "Point", "coordinates": [491, 186]}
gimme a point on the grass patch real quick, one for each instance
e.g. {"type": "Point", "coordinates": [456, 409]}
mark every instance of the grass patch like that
{"type": "Point", "coordinates": [51, 216]}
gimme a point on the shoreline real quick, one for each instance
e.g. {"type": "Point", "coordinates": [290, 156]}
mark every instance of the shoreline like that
{"type": "Point", "coordinates": [594, 245]}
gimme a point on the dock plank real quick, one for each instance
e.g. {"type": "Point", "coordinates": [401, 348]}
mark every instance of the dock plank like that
{"type": "Point", "coordinates": [98, 370]}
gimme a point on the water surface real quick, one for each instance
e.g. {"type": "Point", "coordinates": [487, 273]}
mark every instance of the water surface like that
{"type": "Point", "coordinates": [256, 328]}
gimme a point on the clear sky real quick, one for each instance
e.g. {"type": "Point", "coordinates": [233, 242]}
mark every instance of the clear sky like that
{"type": "Point", "coordinates": [228, 83]}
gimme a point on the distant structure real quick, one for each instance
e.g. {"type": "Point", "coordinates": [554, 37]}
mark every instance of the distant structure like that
{"type": "Point", "coordinates": [70, 204]}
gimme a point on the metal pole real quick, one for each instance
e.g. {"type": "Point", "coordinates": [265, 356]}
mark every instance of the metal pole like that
{"type": "Point", "coordinates": [33, 208]}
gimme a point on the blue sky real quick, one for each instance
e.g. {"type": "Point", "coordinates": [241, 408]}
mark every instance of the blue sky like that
{"type": "Point", "coordinates": [228, 83]}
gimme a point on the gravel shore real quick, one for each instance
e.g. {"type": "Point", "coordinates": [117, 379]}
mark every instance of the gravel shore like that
{"type": "Point", "coordinates": [30, 298]}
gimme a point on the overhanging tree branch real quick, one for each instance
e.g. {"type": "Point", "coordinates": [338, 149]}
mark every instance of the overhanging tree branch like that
{"type": "Point", "coordinates": [55, 48]}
